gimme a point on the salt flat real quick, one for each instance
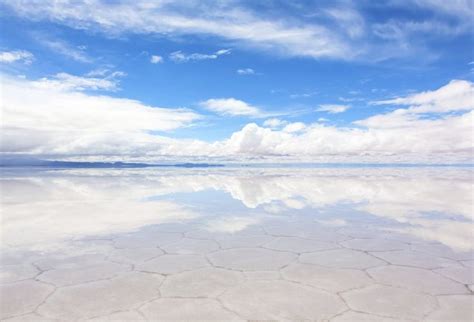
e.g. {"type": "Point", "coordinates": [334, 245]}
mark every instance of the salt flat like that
{"type": "Point", "coordinates": [371, 244]}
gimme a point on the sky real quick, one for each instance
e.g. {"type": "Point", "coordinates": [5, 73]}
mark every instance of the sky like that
{"type": "Point", "coordinates": [300, 81]}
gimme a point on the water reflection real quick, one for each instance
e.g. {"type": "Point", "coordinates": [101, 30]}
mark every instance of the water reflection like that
{"type": "Point", "coordinates": [237, 244]}
{"type": "Point", "coordinates": [47, 209]}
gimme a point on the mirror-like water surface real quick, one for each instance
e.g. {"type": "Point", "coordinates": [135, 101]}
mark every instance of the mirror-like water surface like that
{"type": "Point", "coordinates": [337, 244]}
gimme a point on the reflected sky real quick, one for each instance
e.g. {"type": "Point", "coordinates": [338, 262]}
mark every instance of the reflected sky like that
{"type": "Point", "coordinates": [48, 211]}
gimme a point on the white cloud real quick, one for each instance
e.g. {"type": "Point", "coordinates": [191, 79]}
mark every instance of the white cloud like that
{"type": "Point", "coordinates": [230, 224]}
{"type": "Point", "coordinates": [294, 127]}
{"type": "Point", "coordinates": [66, 122]}
{"type": "Point", "coordinates": [407, 197]}
{"type": "Point", "coordinates": [60, 120]}
{"type": "Point", "coordinates": [246, 71]}
{"type": "Point", "coordinates": [156, 59]}
{"type": "Point", "coordinates": [231, 107]}
{"type": "Point", "coordinates": [239, 24]}
{"type": "Point", "coordinates": [457, 95]}
{"type": "Point", "coordinates": [65, 81]}
{"type": "Point", "coordinates": [336, 30]}
{"type": "Point", "coordinates": [17, 55]}
{"type": "Point", "coordinates": [332, 108]}
{"type": "Point", "coordinates": [78, 208]}
{"type": "Point", "coordinates": [221, 52]}
{"type": "Point", "coordinates": [348, 20]}
{"type": "Point", "coordinates": [274, 123]}
{"type": "Point", "coordinates": [180, 57]}
{"type": "Point", "coordinates": [463, 9]}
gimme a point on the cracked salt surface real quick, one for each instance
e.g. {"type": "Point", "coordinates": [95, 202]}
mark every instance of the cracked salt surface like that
{"type": "Point", "coordinates": [237, 244]}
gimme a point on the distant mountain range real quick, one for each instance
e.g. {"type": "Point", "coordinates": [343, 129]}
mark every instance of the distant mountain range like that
{"type": "Point", "coordinates": [33, 162]}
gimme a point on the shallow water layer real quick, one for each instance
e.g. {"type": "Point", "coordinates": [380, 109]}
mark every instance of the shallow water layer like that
{"type": "Point", "coordinates": [392, 244]}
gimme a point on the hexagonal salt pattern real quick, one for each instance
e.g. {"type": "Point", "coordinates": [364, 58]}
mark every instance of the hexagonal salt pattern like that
{"type": "Point", "coordinates": [102, 297]}
{"type": "Point", "coordinates": [330, 279]}
{"type": "Point", "coordinates": [251, 259]}
{"type": "Point", "coordinates": [148, 239]}
{"type": "Point", "coordinates": [299, 245]}
{"type": "Point", "coordinates": [277, 268]}
{"type": "Point", "coordinates": [205, 282]}
{"type": "Point", "coordinates": [170, 264]}
{"type": "Point", "coordinates": [374, 244]}
{"type": "Point", "coordinates": [191, 246]}
{"type": "Point", "coordinates": [134, 255]}
{"type": "Point", "coordinates": [276, 300]}
{"type": "Point", "coordinates": [22, 297]}
{"type": "Point", "coordinates": [415, 259]}
{"type": "Point", "coordinates": [341, 258]}
{"type": "Point", "coordinates": [304, 230]}
{"type": "Point", "coordinates": [15, 273]}
{"type": "Point", "coordinates": [463, 275]}
{"type": "Point", "coordinates": [454, 308]}
{"type": "Point", "coordinates": [441, 250]}
{"type": "Point", "coordinates": [78, 275]}
{"type": "Point", "coordinates": [416, 279]}
{"type": "Point", "coordinates": [390, 301]}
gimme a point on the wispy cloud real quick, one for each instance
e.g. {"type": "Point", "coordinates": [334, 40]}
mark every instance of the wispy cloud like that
{"type": "Point", "coordinates": [16, 56]}
{"type": "Point", "coordinates": [180, 57]}
{"type": "Point", "coordinates": [237, 23]}
{"type": "Point", "coordinates": [62, 47]}
{"type": "Point", "coordinates": [337, 31]}
{"type": "Point", "coordinates": [65, 81]}
{"type": "Point", "coordinates": [246, 71]}
{"type": "Point", "coordinates": [332, 108]}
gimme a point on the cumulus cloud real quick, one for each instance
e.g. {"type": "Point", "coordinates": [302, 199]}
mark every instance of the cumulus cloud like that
{"type": "Point", "coordinates": [68, 122]}
{"type": "Point", "coordinates": [231, 107]}
{"type": "Point", "coordinates": [246, 71]}
{"type": "Point", "coordinates": [16, 55]}
{"type": "Point", "coordinates": [81, 210]}
{"type": "Point", "coordinates": [156, 59]}
{"type": "Point", "coordinates": [50, 119]}
{"type": "Point", "coordinates": [274, 123]}
{"type": "Point", "coordinates": [332, 108]}
{"type": "Point", "coordinates": [407, 198]}
{"type": "Point", "coordinates": [294, 127]}
{"type": "Point", "coordinates": [180, 57]}
{"type": "Point", "coordinates": [457, 95]}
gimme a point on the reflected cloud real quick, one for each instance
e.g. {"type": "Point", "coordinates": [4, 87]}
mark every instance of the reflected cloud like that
{"type": "Point", "coordinates": [46, 208]}
{"type": "Point", "coordinates": [44, 213]}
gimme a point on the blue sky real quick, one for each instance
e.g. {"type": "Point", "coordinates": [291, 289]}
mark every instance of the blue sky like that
{"type": "Point", "coordinates": [323, 67]}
